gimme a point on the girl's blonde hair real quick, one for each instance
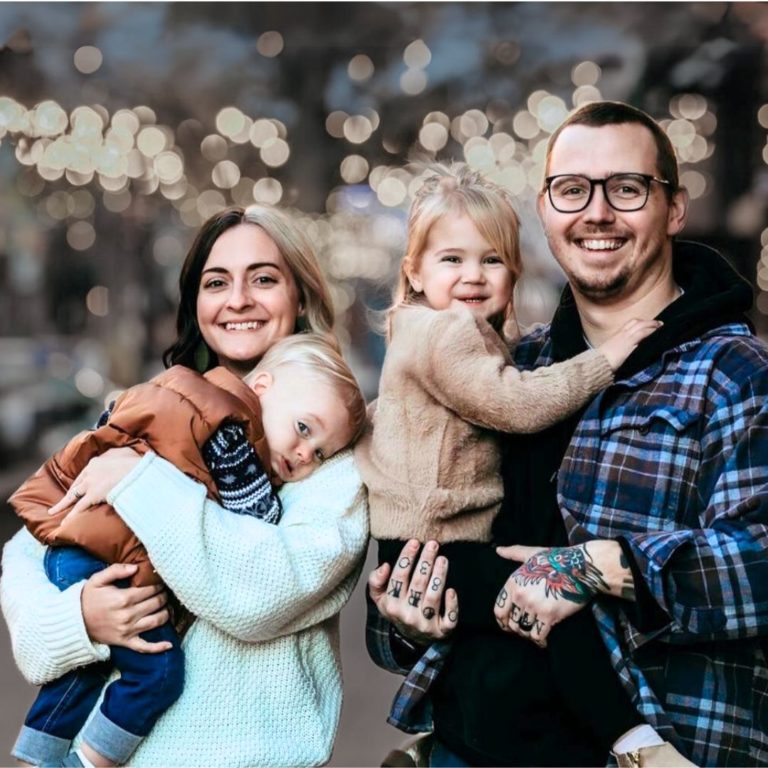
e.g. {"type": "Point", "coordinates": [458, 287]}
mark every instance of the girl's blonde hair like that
{"type": "Point", "coordinates": [456, 188]}
{"type": "Point", "coordinates": [318, 355]}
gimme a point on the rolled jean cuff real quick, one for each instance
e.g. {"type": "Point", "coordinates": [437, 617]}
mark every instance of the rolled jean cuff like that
{"type": "Point", "coordinates": [109, 739]}
{"type": "Point", "coordinates": [40, 748]}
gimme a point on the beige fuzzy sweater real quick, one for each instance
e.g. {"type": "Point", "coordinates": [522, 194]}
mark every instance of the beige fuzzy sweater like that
{"type": "Point", "coordinates": [430, 457]}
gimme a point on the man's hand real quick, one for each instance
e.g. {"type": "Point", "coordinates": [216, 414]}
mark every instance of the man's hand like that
{"type": "Point", "coordinates": [411, 602]}
{"type": "Point", "coordinates": [554, 583]}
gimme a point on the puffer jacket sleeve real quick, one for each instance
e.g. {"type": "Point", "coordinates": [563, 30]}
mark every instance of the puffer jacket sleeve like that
{"type": "Point", "coordinates": [248, 578]}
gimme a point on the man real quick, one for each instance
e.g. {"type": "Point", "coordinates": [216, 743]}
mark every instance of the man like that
{"type": "Point", "coordinates": [663, 488]}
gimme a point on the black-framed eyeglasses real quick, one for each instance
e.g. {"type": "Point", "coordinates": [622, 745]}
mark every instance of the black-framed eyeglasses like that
{"type": "Point", "coordinates": [571, 193]}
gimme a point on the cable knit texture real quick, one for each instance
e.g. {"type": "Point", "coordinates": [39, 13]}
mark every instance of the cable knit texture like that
{"type": "Point", "coordinates": [263, 676]}
{"type": "Point", "coordinates": [46, 626]}
{"type": "Point", "coordinates": [431, 460]}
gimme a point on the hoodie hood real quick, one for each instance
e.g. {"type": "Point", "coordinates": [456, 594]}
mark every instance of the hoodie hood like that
{"type": "Point", "coordinates": [715, 294]}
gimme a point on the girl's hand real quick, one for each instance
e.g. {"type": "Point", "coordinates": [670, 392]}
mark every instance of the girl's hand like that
{"type": "Point", "coordinates": [94, 483]}
{"type": "Point", "coordinates": [116, 616]}
{"type": "Point", "coordinates": [411, 602]}
{"type": "Point", "coordinates": [621, 345]}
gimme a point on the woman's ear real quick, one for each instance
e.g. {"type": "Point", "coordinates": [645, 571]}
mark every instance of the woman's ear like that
{"type": "Point", "coordinates": [261, 382]}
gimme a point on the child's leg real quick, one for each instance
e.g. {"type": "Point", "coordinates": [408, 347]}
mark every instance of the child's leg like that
{"type": "Point", "coordinates": [63, 705]}
{"type": "Point", "coordinates": [148, 685]}
{"type": "Point", "coordinates": [588, 684]}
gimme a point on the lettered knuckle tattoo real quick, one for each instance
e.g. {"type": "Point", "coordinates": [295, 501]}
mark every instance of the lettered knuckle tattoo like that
{"type": "Point", "coordinates": [414, 598]}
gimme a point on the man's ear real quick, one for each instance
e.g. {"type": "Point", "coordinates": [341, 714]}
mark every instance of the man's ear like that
{"type": "Point", "coordinates": [261, 382]}
{"type": "Point", "coordinates": [678, 211]}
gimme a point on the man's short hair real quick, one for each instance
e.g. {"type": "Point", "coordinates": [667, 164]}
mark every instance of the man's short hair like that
{"type": "Point", "coordinates": [601, 113]}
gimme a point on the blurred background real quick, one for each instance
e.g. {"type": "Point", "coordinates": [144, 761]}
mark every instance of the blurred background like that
{"type": "Point", "coordinates": [123, 126]}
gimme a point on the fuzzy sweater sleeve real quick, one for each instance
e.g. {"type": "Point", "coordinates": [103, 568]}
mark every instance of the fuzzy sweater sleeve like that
{"type": "Point", "coordinates": [47, 631]}
{"type": "Point", "coordinates": [462, 362]}
{"type": "Point", "coordinates": [248, 578]}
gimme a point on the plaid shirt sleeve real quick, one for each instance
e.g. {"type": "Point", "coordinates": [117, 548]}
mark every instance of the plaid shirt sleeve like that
{"type": "Point", "coordinates": [411, 709]}
{"type": "Point", "coordinates": [712, 580]}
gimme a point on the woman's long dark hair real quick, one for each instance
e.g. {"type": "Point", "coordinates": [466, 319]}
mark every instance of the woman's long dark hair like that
{"type": "Point", "coordinates": [190, 348]}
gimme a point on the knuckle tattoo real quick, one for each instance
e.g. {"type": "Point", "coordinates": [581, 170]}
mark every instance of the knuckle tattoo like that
{"type": "Point", "coordinates": [394, 588]}
{"type": "Point", "coordinates": [429, 613]}
{"type": "Point", "coordinates": [414, 598]}
{"type": "Point", "coordinates": [404, 562]}
{"type": "Point", "coordinates": [436, 582]}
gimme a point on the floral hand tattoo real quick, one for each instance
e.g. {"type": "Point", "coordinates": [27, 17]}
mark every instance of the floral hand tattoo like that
{"type": "Point", "coordinates": [567, 572]}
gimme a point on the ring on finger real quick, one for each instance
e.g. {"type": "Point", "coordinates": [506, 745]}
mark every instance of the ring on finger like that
{"type": "Point", "coordinates": [78, 494]}
{"type": "Point", "coordinates": [525, 622]}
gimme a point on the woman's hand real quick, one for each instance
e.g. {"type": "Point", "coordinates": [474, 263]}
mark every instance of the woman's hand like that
{"type": "Point", "coordinates": [94, 483]}
{"type": "Point", "coordinates": [116, 616]}
{"type": "Point", "coordinates": [412, 602]}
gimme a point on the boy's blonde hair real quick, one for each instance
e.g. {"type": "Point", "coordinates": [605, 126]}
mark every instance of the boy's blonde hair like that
{"type": "Point", "coordinates": [456, 188]}
{"type": "Point", "coordinates": [318, 354]}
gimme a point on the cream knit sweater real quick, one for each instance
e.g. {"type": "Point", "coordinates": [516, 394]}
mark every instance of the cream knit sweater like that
{"type": "Point", "coordinates": [431, 460]}
{"type": "Point", "coordinates": [263, 676]}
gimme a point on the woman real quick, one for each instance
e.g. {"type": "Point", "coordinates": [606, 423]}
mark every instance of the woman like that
{"type": "Point", "coordinates": [263, 683]}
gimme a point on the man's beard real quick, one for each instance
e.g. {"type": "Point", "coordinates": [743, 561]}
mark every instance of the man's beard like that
{"type": "Point", "coordinates": [600, 288]}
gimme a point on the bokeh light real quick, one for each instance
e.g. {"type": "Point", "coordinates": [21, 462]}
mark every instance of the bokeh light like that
{"type": "Point", "coordinates": [360, 68]}
{"type": "Point", "coordinates": [88, 59]}
{"type": "Point", "coordinates": [270, 44]}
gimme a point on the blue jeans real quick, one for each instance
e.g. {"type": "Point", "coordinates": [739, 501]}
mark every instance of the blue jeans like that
{"type": "Point", "coordinates": [148, 685]}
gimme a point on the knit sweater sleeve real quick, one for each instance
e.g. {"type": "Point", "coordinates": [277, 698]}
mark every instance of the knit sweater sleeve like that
{"type": "Point", "coordinates": [48, 635]}
{"type": "Point", "coordinates": [252, 580]}
{"type": "Point", "coordinates": [461, 361]}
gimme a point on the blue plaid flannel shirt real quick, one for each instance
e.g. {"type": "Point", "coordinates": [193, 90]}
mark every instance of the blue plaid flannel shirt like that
{"type": "Point", "coordinates": [673, 459]}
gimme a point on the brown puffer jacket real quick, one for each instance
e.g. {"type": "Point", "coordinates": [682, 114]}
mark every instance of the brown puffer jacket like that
{"type": "Point", "coordinates": [174, 414]}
